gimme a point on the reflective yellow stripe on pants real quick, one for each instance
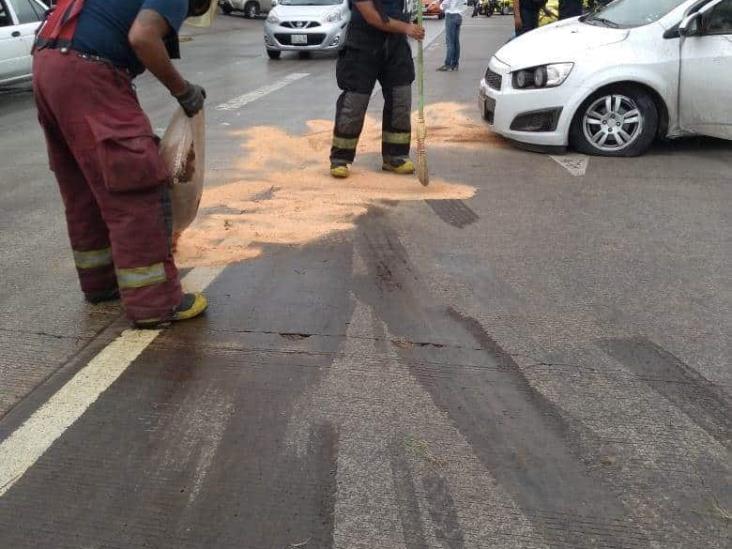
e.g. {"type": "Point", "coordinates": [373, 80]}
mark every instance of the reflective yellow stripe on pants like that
{"type": "Point", "coordinates": [138, 277]}
{"type": "Point", "coordinates": [91, 259]}
{"type": "Point", "coordinates": [345, 142]}
{"type": "Point", "coordinates": [396, 138]}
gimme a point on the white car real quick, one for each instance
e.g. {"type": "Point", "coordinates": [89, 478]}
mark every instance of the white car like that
{"type": "Point", "coordinates": [609, 83]}
{"type": "Point", "coordinates": [305, 26]}
{"type": "Point", "coordinates": [19, 20]}
{"type": "Point", "coordinates": [250, 8]}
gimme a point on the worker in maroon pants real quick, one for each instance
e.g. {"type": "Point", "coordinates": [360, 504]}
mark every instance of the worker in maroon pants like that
{"type": "Point", "coordinates": [101, 147]}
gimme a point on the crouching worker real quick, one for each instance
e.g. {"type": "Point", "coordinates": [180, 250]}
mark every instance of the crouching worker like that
{"type": "Point", "coordinates": [376, 49]}
{"type": "Point", "coordinates": [102, 149]}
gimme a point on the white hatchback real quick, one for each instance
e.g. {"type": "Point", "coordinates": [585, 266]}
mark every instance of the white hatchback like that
{"type": "Point", "coordinates": [610, 82]}
{"type": "Point", "coordinates": [19, 20]}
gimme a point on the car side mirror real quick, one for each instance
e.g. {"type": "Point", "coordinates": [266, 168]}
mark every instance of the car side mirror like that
{"type": "Point", "coordinates": [690, 25]}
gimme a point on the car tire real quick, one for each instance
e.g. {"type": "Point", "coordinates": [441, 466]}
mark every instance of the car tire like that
{"type": "Point", "coordinates": [489, 12]}
{"type": "Point", "coordinates": [251, 10]}
{"type": "Point", "coordinates": [274, 54]}
{"type": "Point", "coordinates": [226, 8]}
{"type": "Point", "coordinates": [625, 126]}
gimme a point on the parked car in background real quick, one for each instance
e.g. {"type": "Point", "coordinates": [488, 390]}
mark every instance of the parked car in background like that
{"type": "Point", "coordinates": [250, 8]}
{"type": "Point", "coordinates": [18, 22]}
{"type": "Point", "coordinates": [612, 81]}
{"type": "Point", "coordinates": [305, 26]}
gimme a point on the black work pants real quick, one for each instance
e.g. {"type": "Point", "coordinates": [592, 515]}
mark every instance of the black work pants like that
{"type": "Point", "coordinates": [369, 56]}
{"type": "Point", "coordinates": [570, 8]}
{"type": "Point", "coordinates": [529, 17]}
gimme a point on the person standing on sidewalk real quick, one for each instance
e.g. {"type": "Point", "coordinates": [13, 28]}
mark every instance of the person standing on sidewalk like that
{"type": "Point", "coordinates": [526, 15]}
{"type": "Point", "coordinates": [376, 48]}
{"type": "Point", "coordinates": [102, 149]}
{"type": "Point", "coordinates": [453, 21]}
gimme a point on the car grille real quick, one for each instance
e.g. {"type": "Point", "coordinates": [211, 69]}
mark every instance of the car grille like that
{"type": "Point", "coordinates": [300, 24]}
{"type": "Point", "coordinates": [493, 79]}
{"type": "Point", "coordinates": [314, 39]}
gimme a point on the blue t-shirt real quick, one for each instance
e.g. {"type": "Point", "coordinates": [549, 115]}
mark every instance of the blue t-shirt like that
{"type": "Point", "coordinates": [395, 9]}
{"type": "Point", "coordinates": [104, 25]}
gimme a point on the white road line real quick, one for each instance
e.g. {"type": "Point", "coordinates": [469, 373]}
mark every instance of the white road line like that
{"type": "Point", "coordinates": [238, 102]}
{"type": "Point", "coordinates": [30, 441]}
{"type": "Point", "coordinates": [576, 164]}
{"type": "Point", "coordinates": [35, 436]}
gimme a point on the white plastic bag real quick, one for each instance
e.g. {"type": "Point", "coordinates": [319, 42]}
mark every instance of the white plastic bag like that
{"type": "Point", "coordinates": [183, 149]}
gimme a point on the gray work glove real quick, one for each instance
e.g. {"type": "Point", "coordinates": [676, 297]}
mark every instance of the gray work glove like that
{"type": "Point", "coordinates": [191, 99]}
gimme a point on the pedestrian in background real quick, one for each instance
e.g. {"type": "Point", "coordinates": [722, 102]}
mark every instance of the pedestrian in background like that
{"type": "Point", "coordinates": [453, 21]}
{"type": "Point", "coordinates": [526, 15]}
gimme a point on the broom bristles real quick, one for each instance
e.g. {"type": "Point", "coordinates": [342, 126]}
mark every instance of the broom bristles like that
{"type": "Point", "coordinates": [421, 166]}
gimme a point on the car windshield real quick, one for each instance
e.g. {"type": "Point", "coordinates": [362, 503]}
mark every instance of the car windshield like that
{"type": "Point", "coordinates": [631, 13]}
{"type": "Point", "coordinates": [310, 2]}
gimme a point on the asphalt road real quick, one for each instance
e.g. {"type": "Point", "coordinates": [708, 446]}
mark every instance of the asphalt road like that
{"type": "Point", "coordinates": [545, 363]}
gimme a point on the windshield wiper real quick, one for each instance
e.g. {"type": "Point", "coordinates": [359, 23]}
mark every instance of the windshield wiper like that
{"type": "Point", "coordinates": [606, 22]}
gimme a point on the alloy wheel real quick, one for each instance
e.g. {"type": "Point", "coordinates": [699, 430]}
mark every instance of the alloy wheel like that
{"type": "Point", "coordinates": [612, 122]}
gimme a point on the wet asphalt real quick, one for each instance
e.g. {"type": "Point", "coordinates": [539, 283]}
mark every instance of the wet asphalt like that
{"type": "Point", "coordinates": [543, 365]}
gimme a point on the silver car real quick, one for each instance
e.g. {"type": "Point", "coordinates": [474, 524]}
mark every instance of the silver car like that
{"type": "Point", "coordinates": [305, 26]}
{"type": "Point", "coordinates": [250, 8]}
{"type": "Point", "coordinates": [19, 20]}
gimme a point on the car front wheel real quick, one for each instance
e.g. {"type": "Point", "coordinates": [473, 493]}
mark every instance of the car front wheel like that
{"type": "Point", "coordinates": [619, 121]}
{"type": "Point", "coordinates": [274, 54]}
{"type": "Point", "coordinates": [251, 10]}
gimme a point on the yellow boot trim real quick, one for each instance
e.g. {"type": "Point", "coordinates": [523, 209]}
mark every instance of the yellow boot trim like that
{"type": "Point", "coordinates": [406, 168]}
{"type": "Point", "coordinates": [340, 172]}
{"type": "Point", "coordinates": [200, 304]}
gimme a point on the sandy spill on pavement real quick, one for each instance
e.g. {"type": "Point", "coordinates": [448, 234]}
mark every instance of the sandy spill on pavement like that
{"type": "Point", "coordinates": [286, 195]}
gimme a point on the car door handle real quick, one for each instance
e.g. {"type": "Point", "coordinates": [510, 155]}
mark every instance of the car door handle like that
{"type": "Point", "coordinates": [15, 34]}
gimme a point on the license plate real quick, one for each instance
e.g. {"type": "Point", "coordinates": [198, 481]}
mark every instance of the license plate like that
{"type": "Point", "coordinates": [301, 39]}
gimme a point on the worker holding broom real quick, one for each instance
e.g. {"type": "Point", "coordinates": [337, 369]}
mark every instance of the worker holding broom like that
{"type": "Point", "coordinates": [376, 49]}
{"type": "Point", "coordinates": [101, 147]}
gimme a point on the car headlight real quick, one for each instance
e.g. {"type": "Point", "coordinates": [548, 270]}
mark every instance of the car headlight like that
{"type": "Point", "coordinates": [544, 76]}
{"type": "Point", "coordinates": [272, 18]}
{"type": "Point", "coordinates": [334, 16]}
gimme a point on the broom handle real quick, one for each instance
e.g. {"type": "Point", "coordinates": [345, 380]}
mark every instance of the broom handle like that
{"type": "Point", "coordinates": [420, 63]}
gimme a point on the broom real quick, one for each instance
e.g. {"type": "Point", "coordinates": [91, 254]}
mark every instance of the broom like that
{"type": "Point", "coordinates": [422, 173]}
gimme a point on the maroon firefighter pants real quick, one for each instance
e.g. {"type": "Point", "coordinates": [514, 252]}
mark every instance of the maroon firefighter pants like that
{"type": "Point", "coordinates": [113, 182]}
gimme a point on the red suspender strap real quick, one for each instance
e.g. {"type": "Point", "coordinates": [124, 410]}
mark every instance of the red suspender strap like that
{"type": "Point", "coordinates": [57, 31]}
